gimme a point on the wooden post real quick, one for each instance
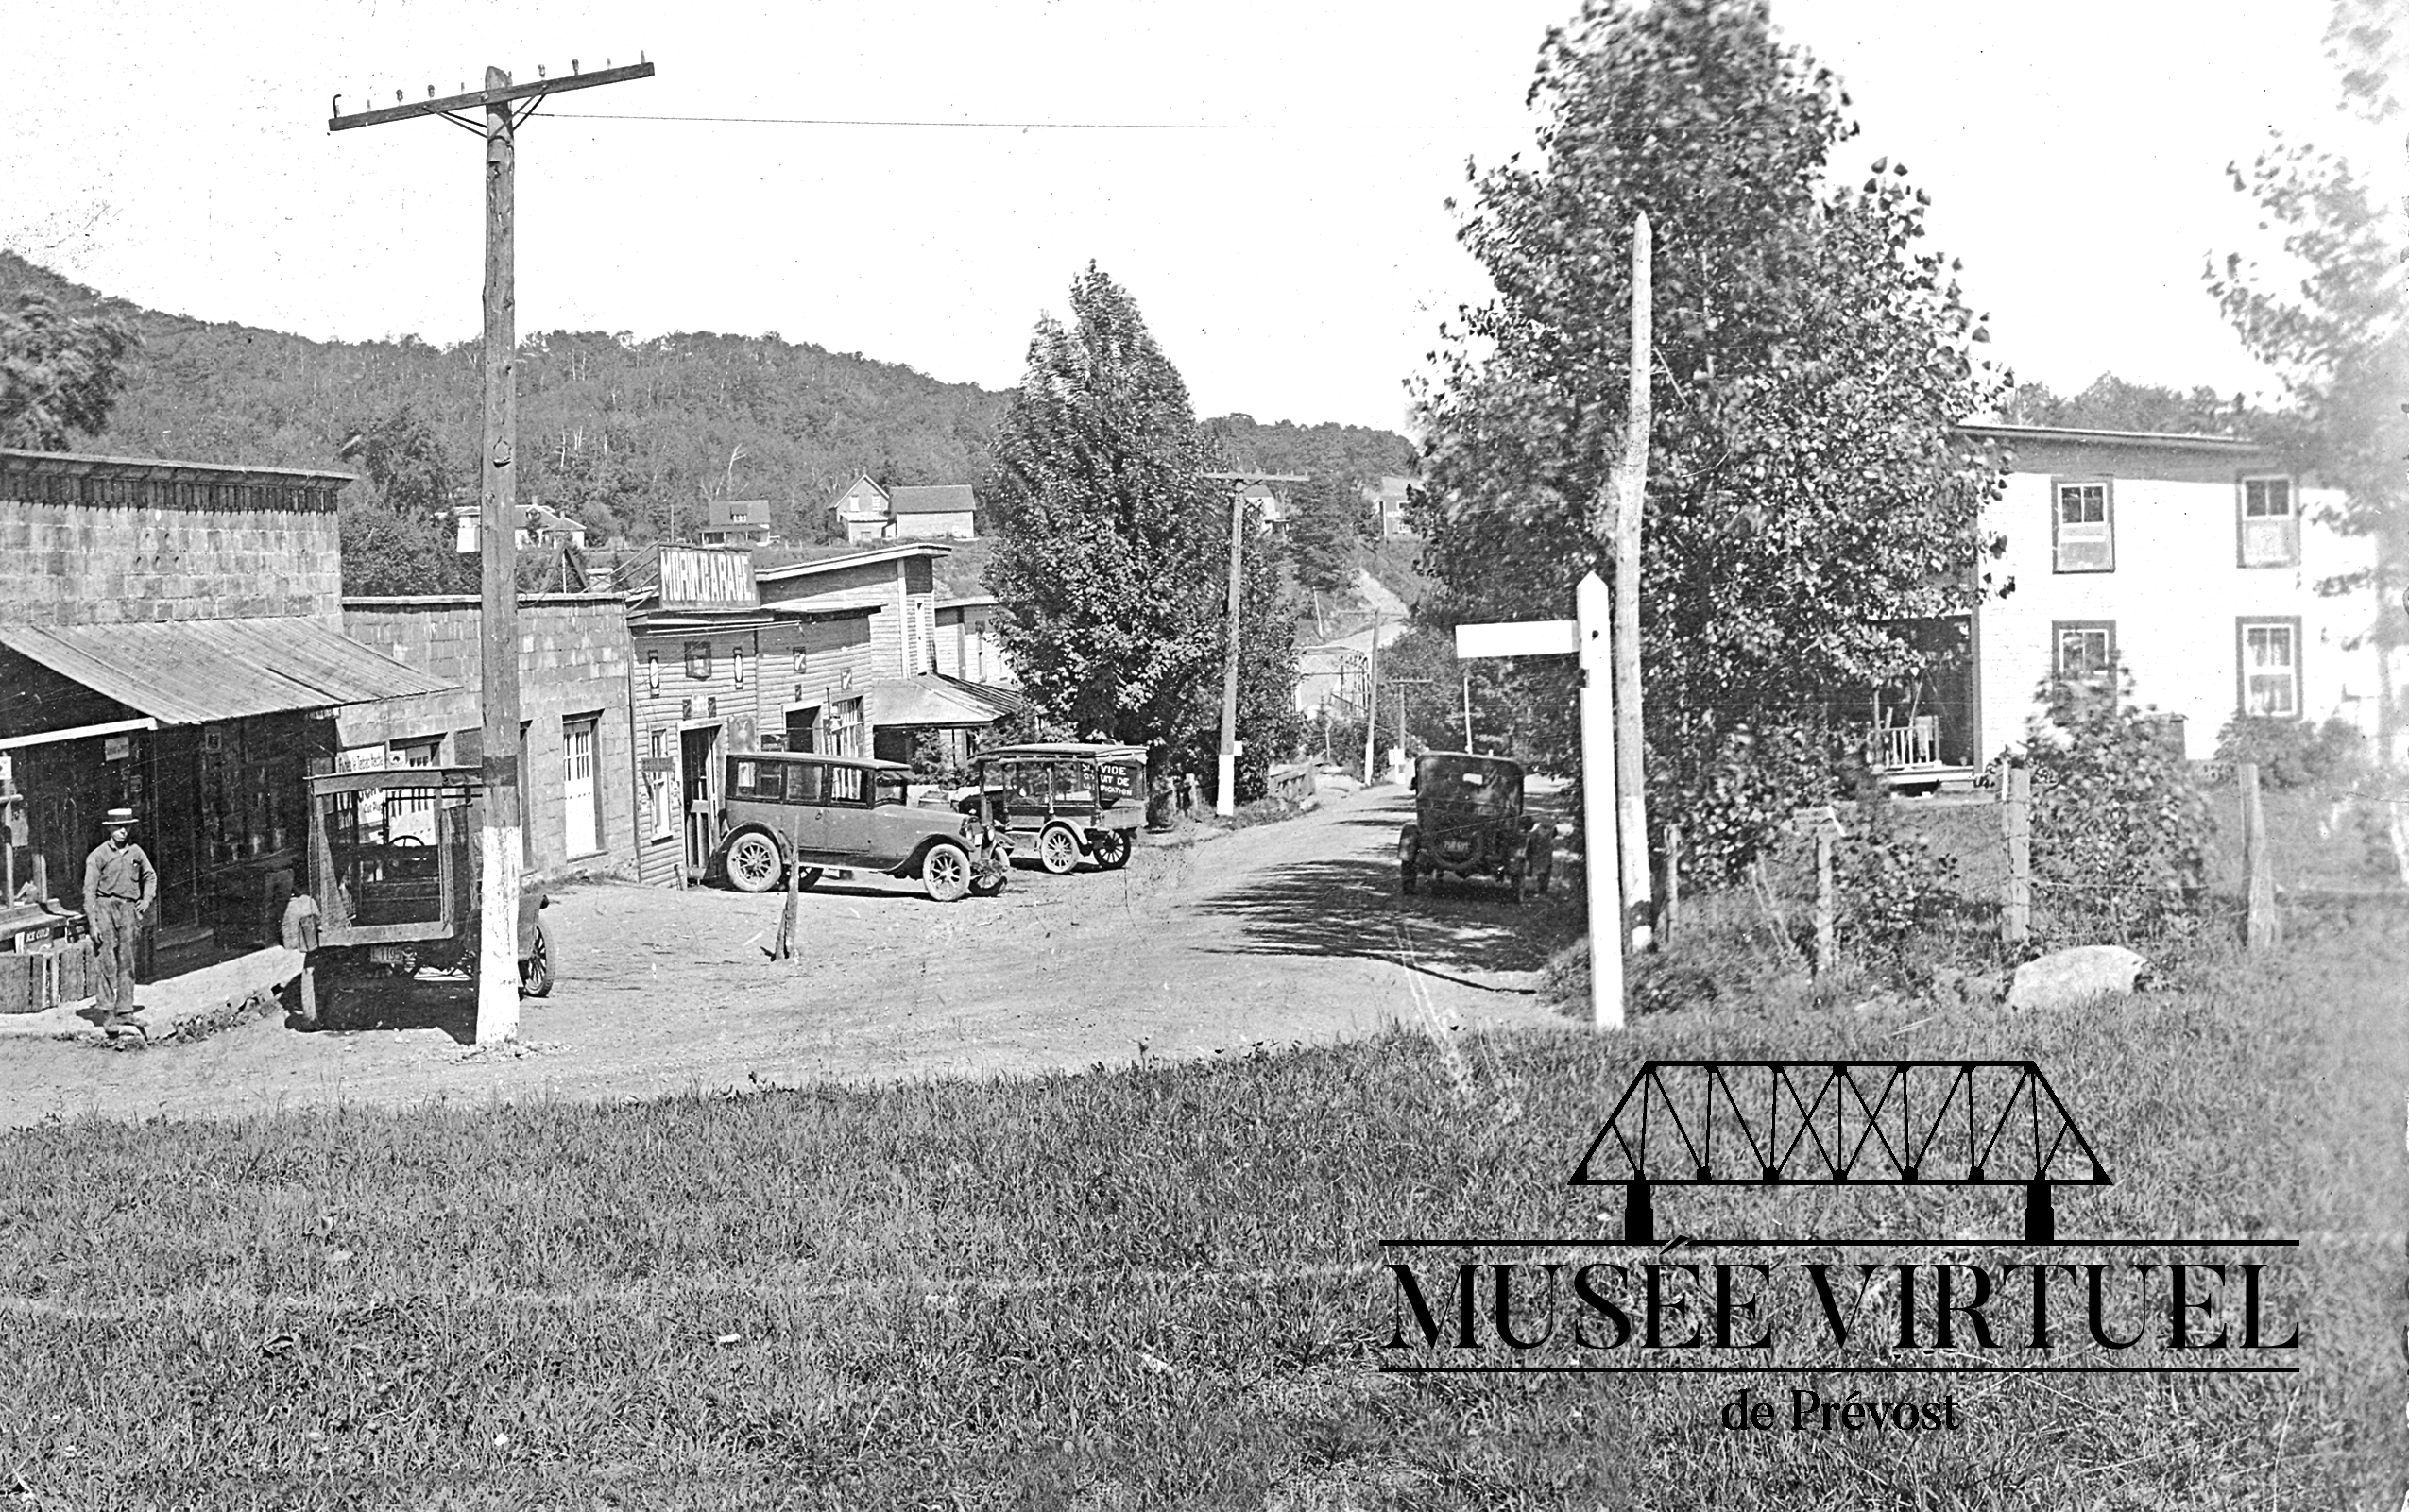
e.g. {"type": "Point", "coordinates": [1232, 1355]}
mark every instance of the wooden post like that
{"type": "Point", "coordinates": [1594, 617]}
{"type": "Point", "coordinates": [1827, 940]}
{"type": "Point", "coordinates": [784, 949]}
{"type": "Point", "coordinates": [1467, 708]}
{"type": "Point", "coordinates": [1669, 917]}
{"type": "Point", "coordinates": [2016, 823]}
{"type": "Point", "coordinates": [1630, 493]}
{"type": "Point", "coordinates": [2261, 929]}
{"type": "Point", "coordinates": [500, 842]}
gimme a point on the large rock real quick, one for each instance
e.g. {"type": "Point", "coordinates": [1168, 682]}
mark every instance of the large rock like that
{"type": "Point", "coordinates": [2067, 976]}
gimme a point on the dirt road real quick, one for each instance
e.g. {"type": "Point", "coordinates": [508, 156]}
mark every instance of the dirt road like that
{"type": "Point", "coordinates": [1285, 933]}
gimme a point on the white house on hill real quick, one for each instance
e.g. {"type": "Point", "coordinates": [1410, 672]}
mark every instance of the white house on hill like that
{"type": "Point", "coordinates": [935, 513]}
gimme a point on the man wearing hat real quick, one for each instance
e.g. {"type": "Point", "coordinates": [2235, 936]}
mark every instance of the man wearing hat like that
{"type": "Point", "coordinates": [119, 885]}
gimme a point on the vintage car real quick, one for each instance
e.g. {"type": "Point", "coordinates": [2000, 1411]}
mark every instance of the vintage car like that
{"type": "Point", "coordinates": [1067, 799]}
{"type": "Point", "coordinates": [1468, 821]}
{"type": "Point", "coordinates": [395, 889]}
{"type": "Point", "coordinates": [842, 815]}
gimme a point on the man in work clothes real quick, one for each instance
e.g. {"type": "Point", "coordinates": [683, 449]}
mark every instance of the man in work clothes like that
{"type": "Point", "coordinates": [119, 885]}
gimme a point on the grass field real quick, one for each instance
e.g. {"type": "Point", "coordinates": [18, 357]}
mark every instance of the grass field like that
{"type": "Point", "coordinates": [1148, 1288]}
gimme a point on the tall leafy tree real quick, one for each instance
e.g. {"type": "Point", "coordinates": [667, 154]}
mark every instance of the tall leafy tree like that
{"type": "Point", "coordinates": [1804, 490]}
{"type": "Point", "coordinates": [2332, 318]}
{"type": "Point", "coordinates": [1326, 521]}
{"type": "Point", "coordinates": [60, 374]}
{"type": "Point", "coordinates": [1112, 548]}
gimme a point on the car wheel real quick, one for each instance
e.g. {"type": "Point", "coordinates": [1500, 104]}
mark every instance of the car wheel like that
{"type": "Point", "coordinates": [1059, 850]}
{"type": "Point", "coordinates": [1112, 849]}
{"type": "Point", "coordinates": [534, 971]}
{"type": "Point", "coordinates": [988, 886]}
{"type": "Point", "coordinates": [945, 873]}
{"type": "Point", "coordinates": [753, 863]}
{"type": "Point", "coordinates": [805, 878]}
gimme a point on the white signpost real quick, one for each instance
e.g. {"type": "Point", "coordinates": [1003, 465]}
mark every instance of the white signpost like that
{"type": "Point", "coordinates": [1585, 635]}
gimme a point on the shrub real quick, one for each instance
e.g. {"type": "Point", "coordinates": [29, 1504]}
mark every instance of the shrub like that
{"type": "Point", "coordinates": [2289, 753]}
{"type": "Point", "coordinates": [2120, 836]}
{"type": "Point", "coordinates": [1891, 883]}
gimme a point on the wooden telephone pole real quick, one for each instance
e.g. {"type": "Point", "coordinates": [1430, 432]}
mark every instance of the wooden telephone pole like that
{"type": "Point", "coordinates": [1621, 506]}
{"type": "Point", "coordinates": [500, 845]}
{"type": "Point", "coordinates": [1225, 794]}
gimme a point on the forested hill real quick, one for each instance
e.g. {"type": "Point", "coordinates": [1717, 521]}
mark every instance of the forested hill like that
{"type": "Point", "coordinates": [630, 436]}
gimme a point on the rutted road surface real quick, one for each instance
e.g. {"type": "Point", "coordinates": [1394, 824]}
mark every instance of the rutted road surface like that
{"type": "Point", "coordinates": [1285, 933]}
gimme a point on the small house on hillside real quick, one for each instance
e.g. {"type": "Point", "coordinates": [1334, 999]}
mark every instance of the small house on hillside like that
{"type": "Point", "coordinates": [871, 513]}
{"type": "Point", "coordinates": [537, 526]}
{"type": "Point", "coordinates": [1388, 501]}
{"type": "Point", "coordinates": [737, 523]}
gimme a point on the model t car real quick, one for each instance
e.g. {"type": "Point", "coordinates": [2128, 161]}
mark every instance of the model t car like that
{"type": "Point", "coordinates": [1067, 799]}
{"type": "Point", "coordinates": [1468, 821]}
{"type": "Point", "coordinates": [841, 814]}
{"type": "Point", "coordinates": [394, 874]}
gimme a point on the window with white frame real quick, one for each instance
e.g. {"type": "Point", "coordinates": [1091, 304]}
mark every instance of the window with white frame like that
{"type": "Point", "coordinates": [2271, 668]}
{"type": "Point", "coordinates": [2084, 650]}
{"type": "Point", "coordinates": [2270, 523]}
{"type": "Point", "coordinates": [848, 733]}
{"type": "Point", "coordinates": [663, 786]}
{"type": "Point", "coordinates": [2083, 523]}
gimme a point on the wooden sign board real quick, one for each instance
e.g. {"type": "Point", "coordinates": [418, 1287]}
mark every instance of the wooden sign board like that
{"type": "Point", "coordinates": [1530, 638]}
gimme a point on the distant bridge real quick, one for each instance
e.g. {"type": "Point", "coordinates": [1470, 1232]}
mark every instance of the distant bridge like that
{"type": "Point", "coordinates": [1855, 1123]}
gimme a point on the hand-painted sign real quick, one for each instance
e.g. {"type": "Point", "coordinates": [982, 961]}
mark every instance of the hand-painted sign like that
{"type": "Point", "coordinates": [695, 578]}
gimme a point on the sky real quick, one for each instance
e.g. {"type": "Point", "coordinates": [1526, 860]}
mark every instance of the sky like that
{"type": "Point", "coordinates": [1293, 254]}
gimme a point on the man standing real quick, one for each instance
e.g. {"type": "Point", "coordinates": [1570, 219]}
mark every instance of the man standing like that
{"type": "Point", "coordinates": [119, 885]}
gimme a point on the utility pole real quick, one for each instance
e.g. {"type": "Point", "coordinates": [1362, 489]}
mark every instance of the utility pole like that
{"type": "Point", "coordinates": [1467, 708]}
{"type": "Point", "coordinates": [1627, 485]}
{"type": "Point", "coordinates": [1371, 704]}
{"type": "Point", "coordinates": [501, 842]}
{"type": "Point", "coordinates": [1225, 796]}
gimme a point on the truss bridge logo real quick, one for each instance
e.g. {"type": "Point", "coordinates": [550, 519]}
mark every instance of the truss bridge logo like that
{"type": "Point", "coordinates": [1818, 1217]}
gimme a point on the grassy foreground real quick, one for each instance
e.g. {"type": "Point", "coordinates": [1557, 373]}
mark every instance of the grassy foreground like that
{"type": "Point", "coordinates": [1150, 1289]}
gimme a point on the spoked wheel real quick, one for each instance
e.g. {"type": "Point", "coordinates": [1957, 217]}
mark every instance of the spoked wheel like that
{"type": "Point", "coordinates": [945, 873]}
{"type": "Point", "coordinates": [1059, 850]}
{"type": "Point", "coordinates": [754, 864]}
{"type": "Point", "coordinates": [988, 885]}
{"type": "Point", "coordinates": [1112, 848]}
{"type": "Point", "coordinates": [534, 971]}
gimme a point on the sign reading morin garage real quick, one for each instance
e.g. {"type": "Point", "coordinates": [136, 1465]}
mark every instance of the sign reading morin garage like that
{"type": "Point", "coordinates": [695, 578]}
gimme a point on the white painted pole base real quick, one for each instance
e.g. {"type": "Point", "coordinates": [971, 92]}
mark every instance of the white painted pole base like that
{"type": "Point", "coordinates": [497, 936]}
{"type": "Point", "coordinates": [1603, 864]}
{"type": "Point", "coordinates": [1225, 796]}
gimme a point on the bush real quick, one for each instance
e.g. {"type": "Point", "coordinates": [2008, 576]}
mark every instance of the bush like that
{"type": "Point", "coordinates": [2120, 836]}
{"type": "Point", "coordinates": [2289, 753]}
{"type": "Point", "coordinates": [1891, 883]}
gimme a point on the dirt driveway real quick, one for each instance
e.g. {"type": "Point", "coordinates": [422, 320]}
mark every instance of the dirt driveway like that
{"type": "Point", "coordinates": [1285, 933]}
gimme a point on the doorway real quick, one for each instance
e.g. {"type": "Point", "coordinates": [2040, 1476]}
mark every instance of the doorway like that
{"type": "Point", "coordinates": [580, 796]}
{"type": "Point", "coordinates": [698, 752]}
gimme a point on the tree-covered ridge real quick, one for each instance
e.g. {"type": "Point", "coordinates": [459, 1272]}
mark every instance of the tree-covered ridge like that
{"type": "Point", "coordinates": [629, 437]}
{"type": "Point", "coordinates": [1352, 452]}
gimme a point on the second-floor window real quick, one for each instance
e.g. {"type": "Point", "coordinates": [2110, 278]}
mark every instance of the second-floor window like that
{"type": "Point", "coordinates": [2084, 518]}
{"type": "Point", "coordinates": [2270, 523]}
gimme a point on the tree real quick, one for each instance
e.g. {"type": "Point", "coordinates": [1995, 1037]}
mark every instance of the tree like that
{"type": "Point", "coordinates": [60, 375]}
{"type": "Point", "coordinates": [1323, 527]}
{"type": "Point", "coordinates": [2333, 322]}
{"type": "Point", "coordinates": [1805, 489]}
{"type": "Point", "coordinates": [2112, 404]}
{"type": "Point", "coordinates": [1111, 548]}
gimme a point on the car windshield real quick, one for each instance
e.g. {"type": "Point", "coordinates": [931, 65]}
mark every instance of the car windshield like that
{"type": "Point", "coordinates": [1490, 786]}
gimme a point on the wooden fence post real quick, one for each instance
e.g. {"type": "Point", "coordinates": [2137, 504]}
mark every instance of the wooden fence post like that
{"type": "Point", "coordinates": [2016, 823]}
{"type": "Point", "coordinates": [784, 949]}
{"type": "Point", "coordinates": [1671, 920]}
{"type": "Point", "coordinates": [1827, 943]}
{"type": "Point", "coordinates": [2261, 928]}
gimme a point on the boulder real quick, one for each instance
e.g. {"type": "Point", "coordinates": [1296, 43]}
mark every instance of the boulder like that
{"type": "Point", "coordinates": [2067, 976]}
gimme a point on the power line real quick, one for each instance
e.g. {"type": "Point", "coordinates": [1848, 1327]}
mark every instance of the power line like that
{"type": "Point", "coordinates": [1001, 126]}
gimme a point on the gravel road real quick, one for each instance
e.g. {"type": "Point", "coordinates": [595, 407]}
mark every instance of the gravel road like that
{"type": "Point", "coordinates": [1284, 933]}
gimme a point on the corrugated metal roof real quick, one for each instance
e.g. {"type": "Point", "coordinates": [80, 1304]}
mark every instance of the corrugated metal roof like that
{"type": "Point", "coordinates": [193, 672]}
